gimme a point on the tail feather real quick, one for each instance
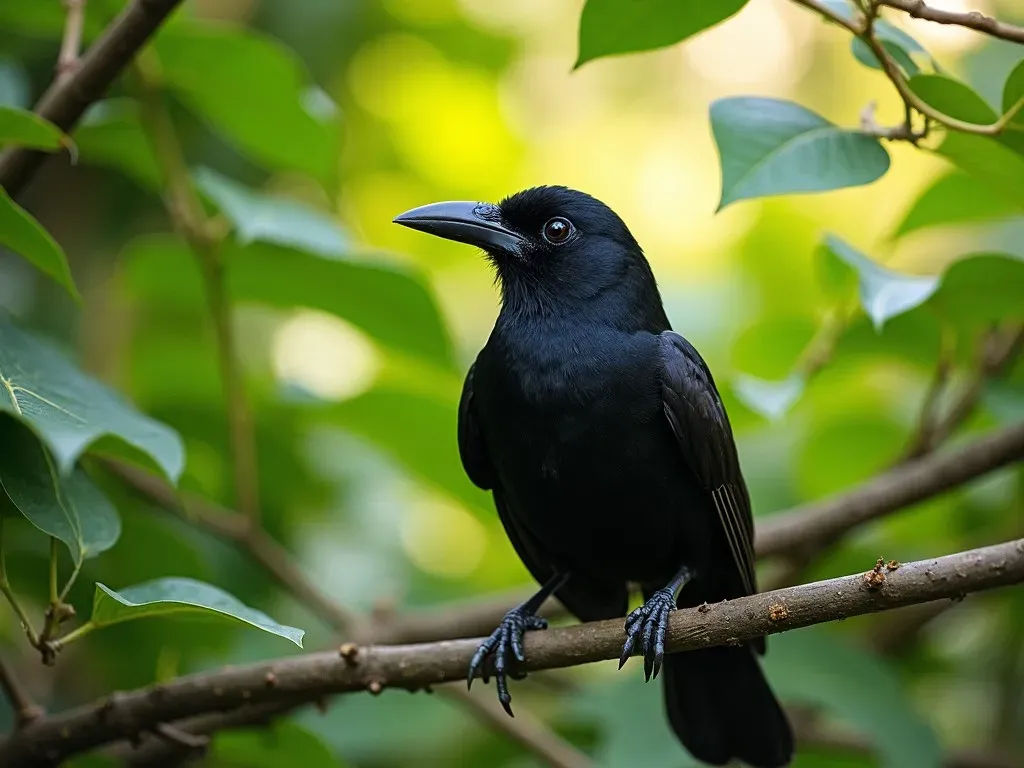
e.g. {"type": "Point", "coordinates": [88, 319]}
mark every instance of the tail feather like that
{"type": "Point", "coordinates": [721, 708]}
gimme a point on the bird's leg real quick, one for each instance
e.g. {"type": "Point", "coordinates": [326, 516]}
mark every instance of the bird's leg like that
{"type": "Point", "coordinates": [649, 623]}
{"type": "Point", "coordinates": [509, 637]}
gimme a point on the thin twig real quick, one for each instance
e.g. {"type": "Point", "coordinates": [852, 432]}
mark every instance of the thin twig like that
{"type": "Point", "coordinates": [71, 43]}
{"type": "Point", "coordinates": [66, 100]}
{"type": "Point", "coordinates": [375, 668]}
{"type": "Point", "coordinates": [8, 593]}
{"type": "Point", "coordinates": [975, 20]}
{"type": "Point", "coordinates": [25, 710]}
{"type": "Point", "coordinates": [856, 26]}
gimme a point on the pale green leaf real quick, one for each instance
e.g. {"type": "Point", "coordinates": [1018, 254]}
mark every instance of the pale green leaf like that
{"type": "Point", "coordinates": [20, 232]}
{"type": "Point", "coordinates": [252, 90]}
{"type": "Point", "coordinates": [771, 147]}
{"type": "Point", "coordinates": [22, 128]}
{"type": "Point", "coordinates": [1013, 94]}
{"type": "Point", "coordinates": [771, 399]}
{"type": "Point", "coordinates": [610, 27]}
{"type": "Point", "coordinates": [955, 198]}
{"type": "Point", "coordinates": [176, 596]}
{"type": "Point", "coordinates": [883, 292]}
{"type": "Point", "coordinates": [67, 506]}
{"type": "Point", "coordinates": [981, 290]}
{"type": "Point", "coordinates": [70, 411]}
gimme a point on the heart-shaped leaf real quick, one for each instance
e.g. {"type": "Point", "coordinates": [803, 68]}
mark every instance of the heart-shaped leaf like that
{"type": "Point", "coordinates": [164, 597]}
{"type": "Point", "coordinates": [252, 90]}
{"type": "Point", "coordinates": [26, 236]}
{"type": "Point", "coordinates": [272, 219]}
{"type": "Point", "coordinates": [27, 129]}
{"type": "Point", "coordinates": [883, 292]}
{"type": "Point", "coordinates": [67, 506]}
{"type": "Point", "coordinates": [70, 411]}
{"type": "Point", "coordinates": [771, 147]}
{"type": "Point", "coordinates": [955, 198]}
{"type": "Point", "coordinates": [609, 27]}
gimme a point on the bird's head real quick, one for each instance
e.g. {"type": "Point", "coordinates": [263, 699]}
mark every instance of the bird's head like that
{"type": "Point", "coordinates": [547, 243]}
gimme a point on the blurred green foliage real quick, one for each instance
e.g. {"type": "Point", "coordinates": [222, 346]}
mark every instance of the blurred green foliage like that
{"type": "Point", "coordinates": [306, 126]}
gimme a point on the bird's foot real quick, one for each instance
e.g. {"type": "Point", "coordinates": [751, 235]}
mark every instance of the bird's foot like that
{"type": "Point", "coordinates": [648, 625]}
{"type": "Point", "coordinates": [507, 637]}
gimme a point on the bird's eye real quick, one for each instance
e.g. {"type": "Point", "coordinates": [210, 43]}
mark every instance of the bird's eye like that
{"type": "Point", "coordinates": [557, 230]}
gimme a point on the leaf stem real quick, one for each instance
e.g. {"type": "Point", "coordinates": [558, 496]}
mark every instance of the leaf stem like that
{"type": "Point", "coordinates": [54, 595]}
{"type": "Point", "coordinates": [76, 634]}
{"type": "Point", "coordinates": [5, 587]}
{"type": "Point", "coordinates": [71, 580]}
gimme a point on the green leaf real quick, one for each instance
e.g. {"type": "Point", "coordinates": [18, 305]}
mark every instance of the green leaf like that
{"type": "Point", "coordinates": [843, 8]}
{"type": "Point", "coordinates": [27, 129]}
{"type": "Point", "coordinates": [283, 745]}
{"type": "Point", "coordinates": [110, 135]}
{"type": "Point", "coordinates": [70, 411]}
{"type": "Point", "coordinates": [987, 160]}
{"type": "Point", "coordinates": [67, 506]}
{"type": "Point", "coordinates": [164, 597]}
{"type": "Point", "coordinates": [883, 292]}
{"type": "Point", "coordinates": [771, 399]}
{"type": "Point", "coordinates": [817, 668]}
{"type": "Point", "coordinates": [273, 219]}
{"type": "Point", "coordinates": [959, 100]}
{"type": "Point", "coordinates": [392, 304]}
{"type": "Point", "coordinates": [26, 236]}
{"type": "Point", "coordinates": [610, 27]}
{"type": "Point", "coordinates": [980, 290]}
{"type": "Point", "coordinates": [251, 89]}
{"type": "Point", "coordinates": [955, 198]}
{"type": "Point", "coordinates": [1013, 92]}
{"type": "Point", "coordinates": [862, 53]}
{"type": "Point", "coordinates": [771, 147]}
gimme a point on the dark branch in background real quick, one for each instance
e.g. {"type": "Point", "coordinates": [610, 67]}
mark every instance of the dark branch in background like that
{"type": "Point", "coordinates": [25, 710]}
{"type": "Point", "coordinates": [66, 100]}
{"type": "Point", "coordinates": [971, 19]}
{"type": "Point", "coordinates": [412, 667]}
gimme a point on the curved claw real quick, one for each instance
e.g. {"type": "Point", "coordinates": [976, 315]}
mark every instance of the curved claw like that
{"type": "Point", "coordinates": [506, 638]}
{"type": "Point", "coordinates": [647, 626]}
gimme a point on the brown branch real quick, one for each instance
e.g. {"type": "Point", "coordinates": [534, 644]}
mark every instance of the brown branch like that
{"type": "Point", "coordinates": [856, 26]}
{"type": "Point", "coordinates": [71, 43]}
{"type": "Point", "coordinates": [25, 710]}
{"type": "Point", "coordinates": [412, 667]}
{"type": "Point", "coordinates": [66, 100]}
{"type": "Point", "coordinates": [814, 525]}
{"type": "Point", "coordinates": [979, 22]}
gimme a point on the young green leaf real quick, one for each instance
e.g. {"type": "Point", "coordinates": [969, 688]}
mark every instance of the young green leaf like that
{"type": "Point", "coordinates": [1013, 94]}
{"type": "Point", "coordinates": [252, 90]}
{"type": "Point", "coordinates": [609, 27]}
{"type": "Point", "coordinates": [26, 236]}
{"type": "Point", "coordinates": [164, 597]}
{"type": "Point", "coordinates": [771, 147]}
{"type": "Point", "coordinates": [67, 506]}
{"type": "Point", "coordinates": [991, 162]}
{"type": "Point", "coordinates": [273, 219]}
{"type": "Point", "coordinates": [959, 100]}
{"type": "Point", "coordinates": [883, 292]}
{"type": "Point", "coordinates": [70, 411]}
{"type": "Point", "coordinates": [955, 198]}
{"type": "Point", "coordinates": [27, 129]}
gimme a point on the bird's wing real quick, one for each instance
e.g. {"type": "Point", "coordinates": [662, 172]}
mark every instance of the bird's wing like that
{"type": "Point", "coordinates": [701, 427]}
{"type": "Point", "coordinates": [472, 448]}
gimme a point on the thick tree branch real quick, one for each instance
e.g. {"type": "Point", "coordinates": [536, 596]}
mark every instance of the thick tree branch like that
{"type": "Point", "coordinates": [412, 667]}
{"type": "Point", "coordinates": [67, 99]}
{"type": "Point", "coordinates": [25, 710]}
{"type": "Point", "coordinates": [971, 20]}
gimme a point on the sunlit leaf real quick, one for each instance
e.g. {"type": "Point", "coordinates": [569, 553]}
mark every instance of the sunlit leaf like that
{"type": "Point", "coordinates": [273, 219]}
{"type": "Point", "coordinates": [20, 232]}
{"type": "Point", "coordinates": [981, 290]}
{"type": "Point", "coordinates": [175, 596]}
{"type": "Point", "coordinates": [111, 135]}
{"type": "Point", "coordinates": [990, 162]}
{"type": "Point", "coordinates": [67, 506]}
{"type": "Point", "coordinates": [771, 147]}
{"type": "Point", "coordinates": [609, 26]}
{"type": "Point", "coordinates": [771, 399]}
{"type": "Point", "coordinates": [1013, 93]}
{"type": "Point", "coordinates": [70, 411]}
{"type": "Point", "coordinates": [391, 303]}
{"type": "Point", "coordinates": [282, 745]}
{"type": "Point", "coordinates": [251, 89]}
{"type": "Point", "coordinates": [816, 667]}
{"type": "Point", "coordinates": [27, 129]}
{"type": "Point", "coordinates": [955, 198]}
{"type": "Point", "coordinates": [883, 292]}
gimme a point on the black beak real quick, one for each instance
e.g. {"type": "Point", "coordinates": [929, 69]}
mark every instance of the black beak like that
{"type": "Point", "coordinates": [476, 224]}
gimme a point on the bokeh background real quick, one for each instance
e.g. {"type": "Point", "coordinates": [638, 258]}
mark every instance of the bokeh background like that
{"type": "Point", "coordinates": [429, 100]}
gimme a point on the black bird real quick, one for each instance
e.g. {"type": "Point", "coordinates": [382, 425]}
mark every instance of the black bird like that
{"type": "Point", "coordinates": [604, 441]}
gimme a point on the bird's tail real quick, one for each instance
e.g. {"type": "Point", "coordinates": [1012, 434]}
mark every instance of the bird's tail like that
{"type": "Point", "coordinates": [721, 708]}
